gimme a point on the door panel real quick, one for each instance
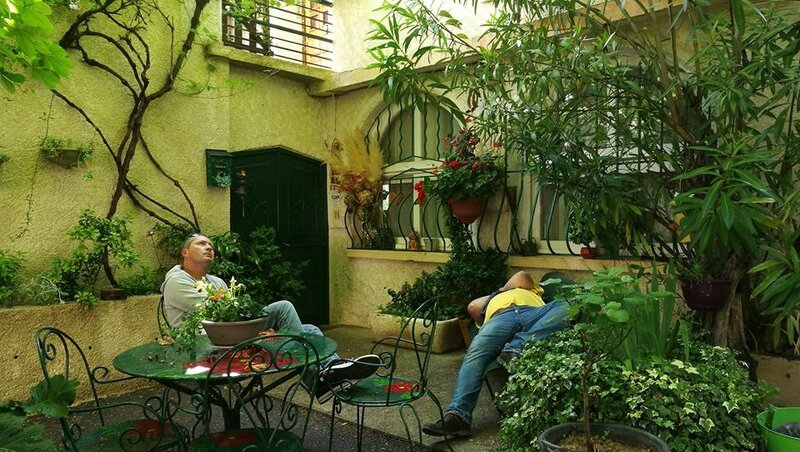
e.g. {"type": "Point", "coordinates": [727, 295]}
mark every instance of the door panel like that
{"type": "Point", "coordinates": [286, 192]}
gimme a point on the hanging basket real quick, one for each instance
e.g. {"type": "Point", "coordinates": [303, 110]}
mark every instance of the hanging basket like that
{"type": "Point", "coordinates": [705, 295]}
{"type": "Point", "coordinates": [467, 210]}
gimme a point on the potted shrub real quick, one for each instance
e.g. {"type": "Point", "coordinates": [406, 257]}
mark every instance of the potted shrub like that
{"type": "Point", "coordinates": [227, 315]}
{"type": "Point", "coordinates": [66, 152]}
{"type": "Point", "coordinates": [466, 179]}
{"type": "Point", "coordinates": [701, 291]}
{"type": "Point", "coordinates": [466, 276]}
{"type": "Point", "coordinates": [604, 308]}
{"type": "Point", "coordinates": [103, 244]}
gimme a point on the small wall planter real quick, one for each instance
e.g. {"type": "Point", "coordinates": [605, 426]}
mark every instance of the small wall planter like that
{"type": "Point", "coordinates": [550, 438]}
{"type": "Point", "coordinates": [66, 153]}
{"type": "Point", "coordinates": [447, 338]}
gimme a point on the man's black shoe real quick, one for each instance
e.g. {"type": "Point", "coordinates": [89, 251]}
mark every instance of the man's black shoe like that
{"type": "Point", "coordinates": [506, 358]}
{"type": "Point", "coordinates": [339, 376]}
{"type": "Point", "coordinates": [452, 426]}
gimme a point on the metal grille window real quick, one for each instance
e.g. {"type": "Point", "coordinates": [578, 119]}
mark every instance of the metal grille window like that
{"type": "Point", "coordinates": [300, 33]}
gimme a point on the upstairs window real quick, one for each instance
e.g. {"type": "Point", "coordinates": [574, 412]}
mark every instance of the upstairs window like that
{"type": "Point", "coordinates": [300, 33]}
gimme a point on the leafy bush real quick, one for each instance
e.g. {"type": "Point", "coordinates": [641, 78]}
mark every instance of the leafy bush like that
{"type": "Point", "coordinates": [256, 262]}
{"type": "Point", "coordinates": [704, 403]}
{"type": "Point", "coordinates": [10, 265]}
{"type": "Point", "coordinates": [146, 281]}
{"type": "Point", "coordinates": [99, 241]}
{"type": "Point", "coordinates": [463, 278]}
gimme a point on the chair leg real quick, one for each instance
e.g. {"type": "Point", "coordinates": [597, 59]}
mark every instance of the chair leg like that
{"type": "Point", "coordinates": [360, 413]}
{"type": "Point", "coordinates": [336, 407]}
{"type": "Point", "coordinates": [405, 424]}
{"type": "Point", "coordinates": [441, 415]}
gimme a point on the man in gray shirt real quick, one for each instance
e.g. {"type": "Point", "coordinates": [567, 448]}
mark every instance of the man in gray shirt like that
{"type": "Point", "coordinates": [181, 296]}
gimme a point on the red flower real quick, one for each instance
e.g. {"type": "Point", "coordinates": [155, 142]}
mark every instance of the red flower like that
{"type": "Point", "coordinates": [400, 387]}
{"type": "Point", "coordinates": [233, 438]}
{"type": "Point", "coordinates": [419, 187]}
{"type": "Point", "coordinates": [474, 166]}
{"type": "Point", "coordinates": [453, 164]}
{"type": "Point", "coordinates": [444, 163]}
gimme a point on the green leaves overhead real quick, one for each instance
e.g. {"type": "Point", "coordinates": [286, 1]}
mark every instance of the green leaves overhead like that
{"type": "Point", "coordinates": [27, 49]}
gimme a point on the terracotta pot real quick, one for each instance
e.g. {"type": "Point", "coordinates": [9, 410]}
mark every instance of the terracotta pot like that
{"type": "Point", "coordinates": [588, 252]}
{"type": "Point", "coordinates": [231, 333]}
{"type": "Point", "coordinates": [467, 210]}
{"type": "Point", "coordinates": [707, 295]}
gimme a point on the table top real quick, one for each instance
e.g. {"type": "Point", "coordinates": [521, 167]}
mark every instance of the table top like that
{"type": "Point", "coordinates": [166, 362]}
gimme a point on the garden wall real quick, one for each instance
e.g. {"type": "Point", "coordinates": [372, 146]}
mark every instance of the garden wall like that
{"type": "Point", "coordinates": [102, 332]}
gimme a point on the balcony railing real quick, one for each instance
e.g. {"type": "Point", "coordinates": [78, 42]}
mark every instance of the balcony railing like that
{"type": "Point", "coordinates": [300, 33]}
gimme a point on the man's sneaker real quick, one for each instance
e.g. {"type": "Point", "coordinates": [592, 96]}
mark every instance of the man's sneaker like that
{"type": "Point", "coordinates": [506, 358]}
{"type": "Point", "coordinates": [452, 426]}
{"type": "Point", "coordinates": [340, 376]}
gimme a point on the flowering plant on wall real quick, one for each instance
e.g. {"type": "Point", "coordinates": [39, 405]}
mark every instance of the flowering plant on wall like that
{"type": "Point", "coordinates": [464, 173]}
{"type": "Point", "coordinates": [359, 168]}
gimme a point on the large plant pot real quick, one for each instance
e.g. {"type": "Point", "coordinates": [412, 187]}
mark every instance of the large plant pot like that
{"type": "Point", "coordinates": [550, 438]}
{"type": "Point", "coordinates": [467, 210]}
{"type": "Point", "coordinates": [774, 441]}
{"type": "Point", "coordinates": [705, 295]}
{"type": "Point", "coordinates": [231, 333]}
{"type": "Point", "coordinates": [447, 338]}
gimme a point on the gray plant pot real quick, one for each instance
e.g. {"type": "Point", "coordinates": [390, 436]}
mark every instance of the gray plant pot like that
{"type": "Point", "coordinates": [550, 438]}
{"type": "Point", "coordinates": [231, 333]}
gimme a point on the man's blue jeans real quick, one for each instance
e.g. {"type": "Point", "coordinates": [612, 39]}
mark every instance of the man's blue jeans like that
{"type": "Point", "coordinates": [505, 331]}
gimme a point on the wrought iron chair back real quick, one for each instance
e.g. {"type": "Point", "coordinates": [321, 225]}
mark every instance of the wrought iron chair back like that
{"type": "Point", "coordinates": [60, 354]}
{"type": "Point", "coordinates": [394, 384]}
{"type": "Point", "coordinates": [290, 359]}
{"type": "Point", "coordinates": [161, 318]}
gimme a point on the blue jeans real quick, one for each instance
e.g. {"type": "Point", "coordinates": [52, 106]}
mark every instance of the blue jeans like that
{"type": "Point", "coordinates": [281, 315]}
{"type": "Point", "coordinates": [505, 331]}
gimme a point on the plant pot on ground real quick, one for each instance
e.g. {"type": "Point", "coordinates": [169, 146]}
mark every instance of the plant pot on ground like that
{"type": "Point", "coordinates": [113, 293]}
{"type": "Point", "coordinates": [570, 437]}
{"type": "Point", "coordinates": [780, 428]}
{"type": "Point", "coordinates": [448, 334]}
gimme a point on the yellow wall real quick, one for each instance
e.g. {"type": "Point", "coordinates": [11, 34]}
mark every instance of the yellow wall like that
{"type": "Point", "coordinates": [103, 332]}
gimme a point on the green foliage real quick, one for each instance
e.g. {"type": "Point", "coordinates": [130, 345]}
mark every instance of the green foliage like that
{"type": "Point", "coordinates": [464, 173]}
{"type": "Point", "coordinates": [220, 304]}
{"type": "Point", "coordinates": [10, 265]}
{"type": "Point", "coordinates": [461, 279]}
{"type": "Point", "coordinates": [146, 281]}
{"type": "Point", "coordinates": [705, 402]}
{"type": "Point", "coordinates": [86, 299]}
{"type": "Point", "coordinates": [256, 262]}
{"type": "Point", "coordinates": [605, 97]}
{"type": "Point", "coordinates": [4, 158]}
{"type": "Point", "coordinates": [54, 149]}
{"type": "Point", "coordinates": [99, 240]}
{"type": "Point", "coordinates": [50, 399]}
{"type": "Point", "coordinates": [168, 242]}
{"type": "Point", "coordinates": [26, 45]}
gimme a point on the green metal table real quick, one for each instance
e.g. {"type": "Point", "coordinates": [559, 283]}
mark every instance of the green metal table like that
{"type": "Point", "coordinates": [173, 368]}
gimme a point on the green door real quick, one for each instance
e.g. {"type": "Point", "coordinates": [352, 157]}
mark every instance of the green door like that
{"type": "Point", "coordinates": [287, 192]}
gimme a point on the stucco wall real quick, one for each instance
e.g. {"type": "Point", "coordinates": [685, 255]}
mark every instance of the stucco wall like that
{"type": "Point", "coordinates": [103, 332]}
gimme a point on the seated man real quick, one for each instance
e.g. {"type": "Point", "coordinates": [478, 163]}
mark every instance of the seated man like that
{"type": "Point", "coordinates": [509, 317]}
{"type": "Point", "coordinates": [181, 296]}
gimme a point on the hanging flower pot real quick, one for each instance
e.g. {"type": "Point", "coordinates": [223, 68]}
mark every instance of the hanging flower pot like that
{"type": "Point", "coordinates": [705, 295]}
{"type": "Point", "coordinates": [467, 210]}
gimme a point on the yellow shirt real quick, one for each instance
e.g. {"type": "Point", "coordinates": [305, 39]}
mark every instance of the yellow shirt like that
{"type": "Point", "coordinates": [519, 297]}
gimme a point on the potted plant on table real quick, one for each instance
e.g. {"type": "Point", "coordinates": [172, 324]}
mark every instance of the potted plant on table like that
{"type": "Point", "coordinates": [466, 178]}
{"type": "Point", "coordinates": [227, 314]}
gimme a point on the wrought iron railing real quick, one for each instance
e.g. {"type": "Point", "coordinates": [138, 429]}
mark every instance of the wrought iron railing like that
{"type": "Point", "coordinates": [523, 218]}
{"type": "Point", "coordinates": [300, 33]}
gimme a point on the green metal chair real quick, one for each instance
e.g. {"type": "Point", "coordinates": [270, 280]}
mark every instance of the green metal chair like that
{"type": "Point", "coordinates": [161, 319]}
{"type": "Point", "coordinates": [274, 425]}
{"type": "Point", "coordinates": [391, 385]}
{"type": "Point", "coordinates": [60, 354]}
